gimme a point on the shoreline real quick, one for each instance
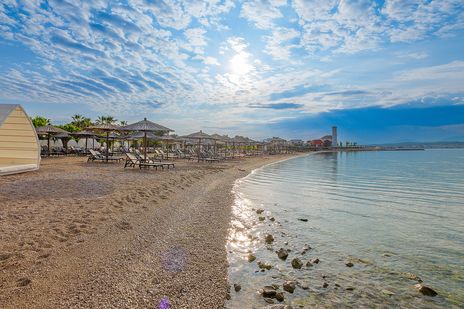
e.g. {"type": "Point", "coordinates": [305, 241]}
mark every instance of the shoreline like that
{"type": "Point", "coordinates": [94, 235]}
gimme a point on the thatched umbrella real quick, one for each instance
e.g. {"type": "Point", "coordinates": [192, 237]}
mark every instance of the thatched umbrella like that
{"type": "Point", "coordinates": [86, 134]}
{"type": "Point", "coordinates": [64, 139]}
{"type": "Point", "coordinates": [146, 126]}
{"type": "Point", "coordinates": [199, 136]}
{"type": "Point", "coordinates": [49, 130]}
{"type": "Point", "coordinates": [107, 128]}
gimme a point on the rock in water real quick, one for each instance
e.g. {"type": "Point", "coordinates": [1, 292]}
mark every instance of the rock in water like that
{"type": "Point", "coordinates": [309, 264]}
{"type": "Point", "coordinates": [280, 296]}
{"type": "Point", "coordinates": [237, 287]}
{"type": "Point", "coordinates": [282, 254]}
{"type": "Point", "coordinates": [325, 285]}
{"type": "Point", "coordinates": [296, 263]}
{"type": "Point", "coordinates": [251, 258]}
{"type": "Point", "coordinates": [349, 264]}
{"type": "Point", "coordinates": [315, 261]}
{"type": "Point", "coordinates": [269, 239]}
{"type": "Point", "coordinates": [264, 265]}
{"type": "Point", "coordinates": [261, 218]}
{"type": "Point", "coordinates": [268, 291]}
{"type": "Point", "coordinates": [426, 290]}
{"type": "Point", "coordinates": [259, 211]}
{"type": "Point", "coordinates": [305, 249]}
{"type": "Point", "coordinates": [303, 219]}
{"type": "Point", "coordinates": [289, 286]}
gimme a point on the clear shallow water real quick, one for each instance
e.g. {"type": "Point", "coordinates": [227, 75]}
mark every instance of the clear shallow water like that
{"type": "Point", "coordinates": [392, 214]}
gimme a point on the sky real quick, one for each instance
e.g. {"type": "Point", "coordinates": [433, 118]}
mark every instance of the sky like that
{"type": "Point", "coordinates": [381, 71]}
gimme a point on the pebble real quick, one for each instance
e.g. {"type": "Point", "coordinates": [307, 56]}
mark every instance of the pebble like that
{"type": "Point", "coordinates": [261, 218]}
{"type": "Point", "coordinates": [289, 286]}
{"type": "Point", "coordinates": [303, 219]}
{"type": "Point", "coordinates": [325, 285]}
{"type": "Point", "coordinates": [315, 261]}
{"type": "Point", "coordinates": [24, 281]}
{"type": "Point", "coordinates": [280, 296]}
{"type": "Point", "coordinates": [251, 258]}
{"type": "Point", "coordinates": [387, 292]}
{"type": "Point", "coordinates": [237, 287]}
{"type": "Point", "coordinates": [282, 254]}
{"type": "Point", "coordinates": [269, 239]}
{"type": "Point", "coordinates": [269, 291]}
{"type": "Point", "coordinates": [349, 264]}
{"type": "Point", "coordinates": [350, 288]}
{"type": "Point", "coordinates": [425, 290]}
{"type": "Point", "coordinates": [259, 211]}
{"type": "Point", "coordinates": [296, 263]}
{"type": "Point", "coordinates": [264, 265]}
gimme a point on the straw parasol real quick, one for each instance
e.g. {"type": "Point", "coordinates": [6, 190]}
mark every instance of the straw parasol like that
{"type": "Point", "coordinates": [146, 126]}
{"type": "Point", "coordinates": [49, 130]}
{"type": "Point", "coordinates": [199, 136]}
{"type": "Point", "coordinates": [86, 134]}
{"type": "Point", "coordinates": [107, 128]}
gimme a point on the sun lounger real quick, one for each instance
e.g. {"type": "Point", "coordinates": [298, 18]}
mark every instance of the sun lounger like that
{"type": "Point", "coordinates": [97, 156]}
{"type": "Point", "coordinates": [133, 161]}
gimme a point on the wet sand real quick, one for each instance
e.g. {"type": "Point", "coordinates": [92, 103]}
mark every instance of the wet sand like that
{"type": "Point", "coordinates": [93, 235]}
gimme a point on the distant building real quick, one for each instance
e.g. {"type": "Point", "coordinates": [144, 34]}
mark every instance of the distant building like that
{"type": "Point", "coordinates": [334, 137]}
{"type": "Point", "coordinates": [296, 142]}
{"type": "Point", "coordinates": [317, 143]}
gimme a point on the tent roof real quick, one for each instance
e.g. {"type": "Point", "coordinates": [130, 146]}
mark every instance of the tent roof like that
{"type": "Point", "coordinates": [49, 129]}
{"type": "Point", "coordinates": [5, 111]}
{"type": "Point", "coordinates": [145, 126]}
{"type": "Point", "coordinates": [104, 127]}
{"type": "Point", "coordinates": [83, 133]}
{"type": "Point", "coordinates": [199, 135]}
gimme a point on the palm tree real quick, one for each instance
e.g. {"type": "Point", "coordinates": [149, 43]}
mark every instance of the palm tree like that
{"type": "Point", "coordinates": [106, 119]}
{"type": "Point", "coordinates": [123, 123]}
{"type": "Point", "coordinates": [39, 121]}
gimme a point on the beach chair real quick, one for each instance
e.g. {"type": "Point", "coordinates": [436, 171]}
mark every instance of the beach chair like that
{"type": "Point", "coordinates": [97, 156]}
{"type": "Point", "coordinates": [133, 161]}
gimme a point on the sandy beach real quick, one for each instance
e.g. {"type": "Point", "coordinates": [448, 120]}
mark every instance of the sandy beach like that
{"type": "Point", "coordinates": [92, 235]}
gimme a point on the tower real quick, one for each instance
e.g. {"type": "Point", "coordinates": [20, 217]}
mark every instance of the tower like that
{"type": "Point", "coordinates": [334, 137]}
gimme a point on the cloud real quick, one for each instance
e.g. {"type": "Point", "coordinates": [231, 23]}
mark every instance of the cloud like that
{"type": "Point", "coordinates": [283, 105]}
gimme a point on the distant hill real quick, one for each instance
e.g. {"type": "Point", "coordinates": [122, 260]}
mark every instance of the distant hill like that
{"type": "Point", "coordinates": [428, 145]}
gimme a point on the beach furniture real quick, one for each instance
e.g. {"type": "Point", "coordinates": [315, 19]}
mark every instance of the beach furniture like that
{"type": "Point", "coordinates": [133, 161]}
{"type": "Point", "coordinates": [19, 145]}
{"type": "Point", "coordinates": [97, 156]}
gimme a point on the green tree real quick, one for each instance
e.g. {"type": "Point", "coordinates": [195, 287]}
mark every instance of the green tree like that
{"type": "Point", "coordinates": [70, 127]}
{"type": "Point", "coordinates": [106, 119]}
{"type": "Point", "coordinates": [123, 123]}
{"type": "Point", "coordinates": [39, 121]}
{"type": "Point", "coordinates": [80, 121]}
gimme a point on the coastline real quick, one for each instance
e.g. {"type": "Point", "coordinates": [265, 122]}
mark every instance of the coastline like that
{"type": "Point", "coordinates": [93, 235]}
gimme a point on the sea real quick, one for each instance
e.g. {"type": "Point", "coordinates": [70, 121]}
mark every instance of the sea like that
{"type": "Point", "coordinates": [395, 217]}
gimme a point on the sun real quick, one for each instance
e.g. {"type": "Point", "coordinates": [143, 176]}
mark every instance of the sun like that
{"type": "Point", "coordinates": [239, 64]}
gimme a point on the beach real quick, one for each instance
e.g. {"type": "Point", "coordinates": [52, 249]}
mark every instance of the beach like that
{"type": "Point", "coordinates": [94, 235]}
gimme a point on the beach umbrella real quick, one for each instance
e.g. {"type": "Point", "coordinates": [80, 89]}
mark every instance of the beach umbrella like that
{"type": "Point", "coordinates": [86, 134]}
{"type": "Point", "coordinates": [146, 126]}
{"type": "Point", "coordinates": [199, 136]}
{"type": "Point", "coordinates": [106, 128]}
{"type": "Point", "coordinates": [64, 136]}
{"type": "Point", "coordinates": [49, 130]}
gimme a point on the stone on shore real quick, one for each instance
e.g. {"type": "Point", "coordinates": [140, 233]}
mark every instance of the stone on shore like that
{"type": "Point", "coordinates": [325, 285]}
{"type": "Point", "coordinates": [264, 265]}
{"type": "Point", "coordinates": [305, 249]}
{"type": "Point", "coordinates": [349, 264]}
{"type": "Point", "coordinates": [282, 254]}
{"type": "Point", "coordinates": [251, 257]}
{"type": "Point", "coordinates": [269, 239]}
{"type": "Point", "coordinates": [259, 211]}
{"type": "Point", "coordinates": [237, 287]}
{"type": "Point", "coordinates": [425, 290]}
{"type": "Point", "coordinates": [296, 263]}
{"type": "Point", "coordinates": [303, 219]}
{"type": "Point", "coordinates": [280, 296]}
{"type": "Point", "coordinates": [315, 261]}
{"type": "Point", "coordinates": [269, 291]}
{"type": "Point", "coordinates": [261, 218]}
{"type": "Point", "coordinates": [412, 276]}
{"type": "Point", "coordinates": [289, 286]}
